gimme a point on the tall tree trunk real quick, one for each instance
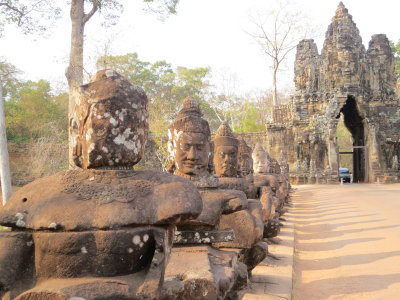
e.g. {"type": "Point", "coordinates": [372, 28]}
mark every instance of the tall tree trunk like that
{"type": "Point", "coordinates": [5, 175]}
{"type": "Point", "coordinates": [74, 72]}
{"type": "Point", "coordinates": [274, 88]}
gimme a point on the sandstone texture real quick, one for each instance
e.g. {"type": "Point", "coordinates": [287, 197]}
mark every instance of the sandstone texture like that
{"type": "Point", "coordinates": [102, 199]}
{"type": "Point", "coordinates": [102, 231]}
{"type": "Point", "coordinates": [110, 123]}
{"type": "Point", "coordinates": [346, 80]}
{"type": "Point", "coordinates": [202, 272]}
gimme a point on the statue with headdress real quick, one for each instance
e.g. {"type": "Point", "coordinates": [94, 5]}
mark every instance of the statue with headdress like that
{"type": "Point", "coordinates": [268, 185]}
{"type": "Point", "coordinates": [247, 223]}
{"type": "Point", "coordinates": [103, 230]}
{"type": "Point", "coordinates": [190, 149]}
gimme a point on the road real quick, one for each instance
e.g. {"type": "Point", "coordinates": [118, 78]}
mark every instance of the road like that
{"type": "Point", "coordinates": [347, 242]}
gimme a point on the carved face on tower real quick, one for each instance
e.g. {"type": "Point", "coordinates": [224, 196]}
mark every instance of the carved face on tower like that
{"type": "Point", "coordinates": [245, 161]}
{"type": "Point", "coordinates": [189, 141]}
{"type": "Point", "coordinates": [261, 160]}
{"type": "Point", "coordinates": [226, 152]}
{"type": "Point", "coordinates": [101, 127]}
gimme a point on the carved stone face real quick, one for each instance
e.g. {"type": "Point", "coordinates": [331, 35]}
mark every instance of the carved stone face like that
{"type": "Point", "coordinates": [110, 123]}
{"type": "Point", "coordinates": [226, 160]}
{"type": "Point", "coordinates": [245, 164]}
{"type": "Point", "coordinates": [260, 162]}
{"type": "Point", "coordinates": [192, 153]}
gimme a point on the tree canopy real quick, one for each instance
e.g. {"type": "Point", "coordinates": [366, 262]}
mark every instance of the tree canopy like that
{"type": "Point", "coordinates": [278, 31]}
{"type": "Point", "coordinates": [396, 53]}
{"type": "Point", "coordinates": [32, 111]}
{"type": "Point", "coordinates": [30, 16]}
{"type": "Point", "coordinates": [165, 86]}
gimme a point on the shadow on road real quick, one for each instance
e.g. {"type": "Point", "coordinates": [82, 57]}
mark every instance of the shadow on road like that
{"type": "Point", "coordinates": [346, 286]}
{"type": "Point", "coordinates": [349, 260]}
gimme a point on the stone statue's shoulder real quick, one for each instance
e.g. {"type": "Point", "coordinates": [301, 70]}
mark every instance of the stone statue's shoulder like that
{"type": "Point", "coordinates": [102, 199]}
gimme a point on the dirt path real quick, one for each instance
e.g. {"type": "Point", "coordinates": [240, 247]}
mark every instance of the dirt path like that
{"type": "Point", "coordinates": [347, 242]}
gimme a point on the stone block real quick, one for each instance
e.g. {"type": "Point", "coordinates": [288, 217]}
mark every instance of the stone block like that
{"type": "Point", "coordinates": [244, 226]}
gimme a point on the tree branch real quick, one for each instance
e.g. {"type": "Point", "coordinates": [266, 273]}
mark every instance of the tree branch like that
{"type": "Point", "coordinates": [95, 7]}
{"type": "Point", "coordinates": [13, 8]}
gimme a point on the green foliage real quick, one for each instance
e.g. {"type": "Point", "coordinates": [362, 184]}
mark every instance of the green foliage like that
{"type": "Point", "coordinates": [30, 16]}
{"type": "Point", "coordinates": [345, 140]}
{"type": "Point", "coordinates": [162, 8]}
{"type": "Point", "coordinates": [33, 112]}
{"type": "Point", "coordinates": [165, 87]}
{"type": "Point", "coordinates": [249, 118]}
{"type": "Point", "coordinates": [343, 134]}
{"type": "Point", "coordinates": [396, 52]}
{"type": "Point", "coordinates": [8, 73]}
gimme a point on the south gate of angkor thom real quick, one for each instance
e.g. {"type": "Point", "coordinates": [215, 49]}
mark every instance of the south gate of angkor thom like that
{"type": "Point", "coordinates": [348, 80]}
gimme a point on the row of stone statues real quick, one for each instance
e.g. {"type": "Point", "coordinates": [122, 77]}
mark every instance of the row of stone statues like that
{"type": "Point", "coordinates": [106, 231]}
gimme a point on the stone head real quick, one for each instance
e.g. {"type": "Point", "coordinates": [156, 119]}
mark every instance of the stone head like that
{"type": "Point", "coordinates": [189, 140]}
{"type": "Point", "coordinates": [261, 160]}
{"type": "Point", "coordinates": [225, 152]}
{"type": "Point", "coordinates": [110, 123]}
{"type": "Point", "coordinates": [245, 160]}
{"type": "Point", "coordinates": [275, 166]}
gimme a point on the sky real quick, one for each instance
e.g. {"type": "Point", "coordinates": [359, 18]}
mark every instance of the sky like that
{"type": "Point", "coordinates": [204, 33]}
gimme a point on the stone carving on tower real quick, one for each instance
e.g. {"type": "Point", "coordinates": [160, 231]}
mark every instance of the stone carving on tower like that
{"type": "Point", "coordinates": [344, 80]}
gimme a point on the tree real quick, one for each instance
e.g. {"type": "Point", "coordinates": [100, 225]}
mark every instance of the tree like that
{"type": "Point", "coordinates": [32, 108]}
{"type": "Point", "coordinates": [396, 53]}
{"type": "Point", "coordinates": [278, 31]}
{"type": "Point", "coordinates": [165, 87]}
{"type": "Point", "coordinates": [250, 119]}
{"type": "Point", "coordinates": [79, 19]}
{"type": "Point", "coordinates": [30, 16]}
{"type": "Point", "coordinates": [6, 73]}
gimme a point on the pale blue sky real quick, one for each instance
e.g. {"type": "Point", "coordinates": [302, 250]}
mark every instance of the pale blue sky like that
{"type": "Point", "coordinates": [204, 33]}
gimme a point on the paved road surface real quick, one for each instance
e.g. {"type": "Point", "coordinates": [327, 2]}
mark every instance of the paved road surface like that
{"type": "Point", "coordinates": [347, 242]}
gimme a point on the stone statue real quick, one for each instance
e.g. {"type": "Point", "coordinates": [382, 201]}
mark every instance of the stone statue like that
{"type": "Point", "coordinates": [189, 142]}
{"type": "Point", "coordinates": [190, 149]}
{"type": "Point", "coordinates": [103, 231]}
{"type": "Point", "coordinates": [268, 185]}
{"type": "Point", "coordinates": [261, 160]}
{"type": "Point", "coordinates": [247, 224]}
{"type": "Point", "coordinates": [226, 161]}
{"type": "Point", "coordinates": [226, 152]}
{"type": "Point", "coordinates": [245, 160]}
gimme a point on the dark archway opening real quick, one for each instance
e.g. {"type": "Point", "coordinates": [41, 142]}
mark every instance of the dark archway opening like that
{"type": "Point", "coordinates": [354, 123]}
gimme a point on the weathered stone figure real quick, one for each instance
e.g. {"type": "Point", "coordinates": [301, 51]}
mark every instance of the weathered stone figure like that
{"type": "Point", "coordinates": [201, 272]}
{"type": "Point", "coordinates": [247, 224]}
{"type": "Point", "coordinates": [245, 161]}
{"type": "Point", "coordinates": [268, 185]}
{"type": "Point", "coordinates": [109, 133]}
{"type": "Point", "coordinates": [225, 152]}
{"type": "Point", "coordinates": [90, 233]}
{"type": "Point", "coordinates": [190, 149]}
{"type": "Point", "coordinates": [189, 143]}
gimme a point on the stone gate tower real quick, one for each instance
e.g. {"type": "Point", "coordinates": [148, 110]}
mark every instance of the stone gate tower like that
{"type": "Point", "coordinates": [348, 80]}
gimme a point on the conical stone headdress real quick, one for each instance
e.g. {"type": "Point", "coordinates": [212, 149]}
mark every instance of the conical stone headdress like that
{"type": "Point", "coordinates": [244, 148]}
{"type": "Point", "coordinates": [189, 119]}
{"type": "Point", "coordinates": [224, 136]}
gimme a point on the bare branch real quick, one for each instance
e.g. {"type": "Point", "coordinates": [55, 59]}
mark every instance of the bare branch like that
{"type": "Point", "coordinates": [278, 35]}
{"type": "Point", "coordinates": [20, 13]}
{"type": "Point", "coordinates": [95, 7]}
